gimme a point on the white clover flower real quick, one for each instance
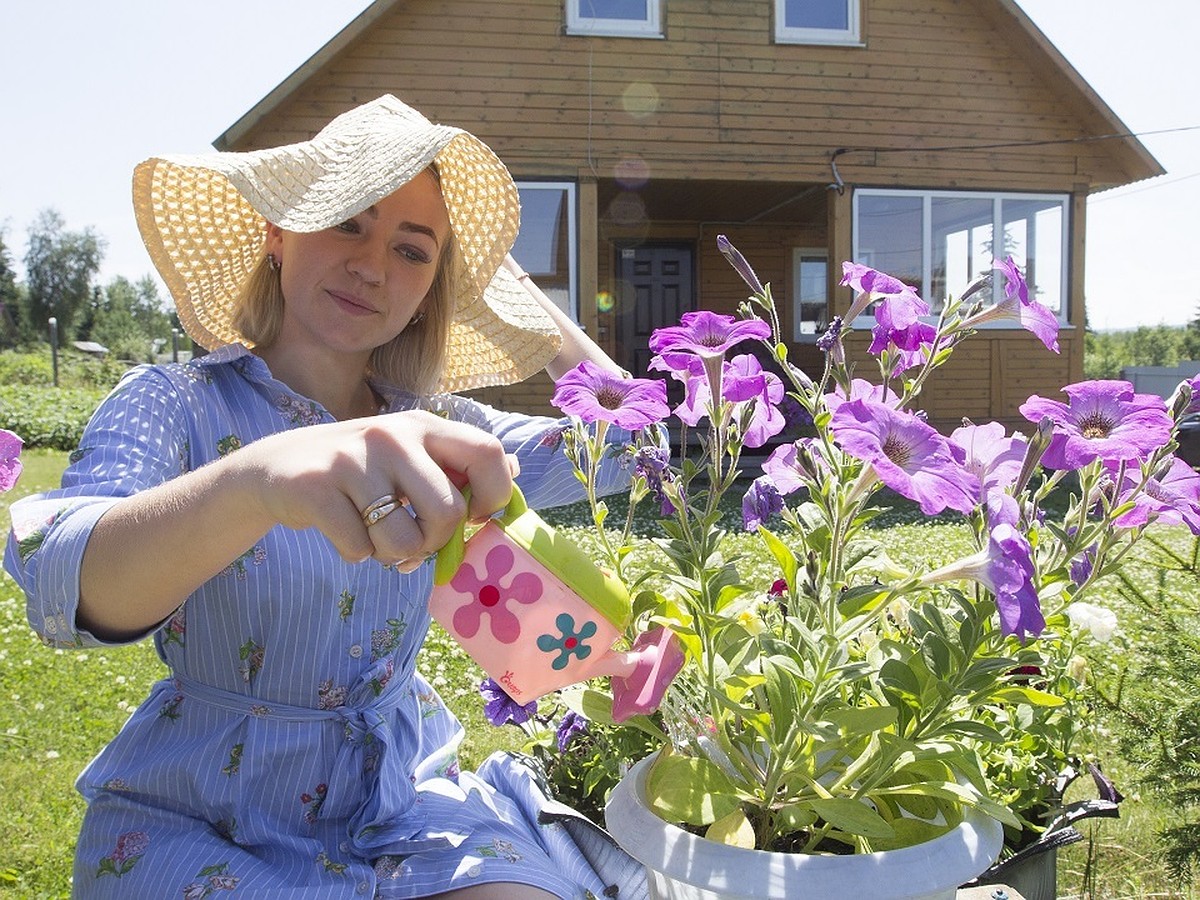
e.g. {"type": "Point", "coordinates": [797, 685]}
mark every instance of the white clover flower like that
{"type": "Point", "coordinates": [1077, 668]}
{"type": "Point", "coordinates": [1101, 622]}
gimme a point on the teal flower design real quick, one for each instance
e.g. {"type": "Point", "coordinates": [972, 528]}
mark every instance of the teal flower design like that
{"type": "Point", "coordinates": [571, 641]}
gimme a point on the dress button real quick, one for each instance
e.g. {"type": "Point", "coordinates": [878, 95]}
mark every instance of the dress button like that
{"type": "Point", "coordinates": [473, 872]}
{"type": "Point", "coordinates": [356, 651]}
{"type": "Point", "coordinates": [363, 887]}
{"type": "Point", "coordinates": [344, 846]}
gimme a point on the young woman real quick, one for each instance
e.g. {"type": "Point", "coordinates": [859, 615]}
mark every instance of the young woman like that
{"type": "Point", "coordinates": [268, 513]}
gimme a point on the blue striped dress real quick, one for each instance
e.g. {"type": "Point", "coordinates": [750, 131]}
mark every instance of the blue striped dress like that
{"type": "Point", "coordinates": [294, 750]}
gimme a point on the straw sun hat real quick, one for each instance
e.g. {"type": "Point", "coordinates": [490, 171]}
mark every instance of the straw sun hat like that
{"type": "Point", "coordinates": [204, 218]}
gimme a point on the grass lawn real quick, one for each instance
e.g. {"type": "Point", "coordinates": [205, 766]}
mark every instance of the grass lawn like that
{"type": "Point", "coordinates": [59, 707]}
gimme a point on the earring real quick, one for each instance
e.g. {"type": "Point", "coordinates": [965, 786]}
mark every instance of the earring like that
{"type": "Point", "coordinates": [417, 318]}
{"type": "Point", "coordinates": [272, 262]}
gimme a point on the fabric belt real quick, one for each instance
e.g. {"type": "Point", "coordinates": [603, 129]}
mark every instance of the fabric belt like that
{"type": "Point", "coordinates": [390, 818]}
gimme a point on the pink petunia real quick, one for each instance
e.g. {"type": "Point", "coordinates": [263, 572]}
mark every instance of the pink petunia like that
{"type": "Point", "coordinates": [10, 459]}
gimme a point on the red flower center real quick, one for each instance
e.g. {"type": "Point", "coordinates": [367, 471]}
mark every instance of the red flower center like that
{"type": "Point", "coordinates": [489, 595]}
{"type": "Point", "coordinates": [570, 643]}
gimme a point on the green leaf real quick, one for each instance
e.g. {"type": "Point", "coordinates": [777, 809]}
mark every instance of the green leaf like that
{"type": "Point", "coordinates": [852, 817]}
{"type": "Point", "coordinates": [688, 789]}
{"type": "Point", "coordinates": [783, 555]}
{"type": "Point", "coordinates": [733, 829]}
{"type": "Point", "coordinates": [861, 599]}
{"type": "Point", "coordinates": [863, 720]}
{"type": "Point", "coordinates": [1032, 696]}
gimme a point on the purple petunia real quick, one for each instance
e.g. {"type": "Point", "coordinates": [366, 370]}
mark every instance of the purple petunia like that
{"type": "Point", "coordinates": [653, 463]}
{"type": "Point", "coordinates": [1034, 317]}
{"type": "Point", "coordinates": [10, 459]}
{"type": "Point", "coordinates": [739, 263]}
{"type": "Point", "coordinates": [501, 709]}
{"type": "Point", "coordinates": [572, 724]}
{"type": "Point", "coordinates": [743, 380]}
{"type": "Point", "coordinates": [989, 455]}
{"type": "Point", "coordinates": [1169, 499]}
{"type": "Point", "coordinates": [595, 394]}
{"type": "Point", "coordinates": [907, 455]}
{"type": "Point", "coordinates": [1102, 420]}
{"type": "Point", "coordinates": [875, 284]}
{"type": "Point", "coordinates": [707, 334]}
{"type": "Point", "coordinates": [761, 502]}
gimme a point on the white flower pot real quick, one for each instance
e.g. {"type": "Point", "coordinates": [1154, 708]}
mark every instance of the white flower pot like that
{"type": "Point", "coordinates": [682, 866]}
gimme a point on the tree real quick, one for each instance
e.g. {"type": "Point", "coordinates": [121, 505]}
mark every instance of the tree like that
{"type": "Point", "coordinates": [129, 318]}
{"type": "Point", "coordinates": [60, 266]}
{"type": "Point", "coordinates": [10, 295]}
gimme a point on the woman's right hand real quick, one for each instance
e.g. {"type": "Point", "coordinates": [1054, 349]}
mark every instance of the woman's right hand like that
{"type": "Point", "coordinates": [324, 476]}
{"type": "Point", "coordinates": [150, 551]}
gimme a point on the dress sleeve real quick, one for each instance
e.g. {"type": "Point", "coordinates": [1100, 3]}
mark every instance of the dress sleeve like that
{"type": "Point", "coordinates": [546, 478]}
{"type": "Point", "coordinates": [137, 438]}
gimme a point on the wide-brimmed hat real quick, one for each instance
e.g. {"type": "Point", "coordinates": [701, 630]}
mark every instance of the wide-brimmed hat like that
{"type": "Point", "coordinates": [203, 219]}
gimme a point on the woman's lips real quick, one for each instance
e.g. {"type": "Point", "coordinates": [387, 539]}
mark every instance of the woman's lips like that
{"type": "Point", "coordinates": [351, 304]}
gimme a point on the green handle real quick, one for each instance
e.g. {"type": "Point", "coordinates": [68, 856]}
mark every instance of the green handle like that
{"type": "Point", "coordinates": [450, 557]}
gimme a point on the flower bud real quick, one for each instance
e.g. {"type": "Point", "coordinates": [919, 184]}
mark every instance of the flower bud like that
{"type": "Point", "coordinates": [739, 264]}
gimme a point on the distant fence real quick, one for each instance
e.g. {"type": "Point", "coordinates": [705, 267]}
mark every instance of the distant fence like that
{"type": "Point", "coordinates": [1161, 380]}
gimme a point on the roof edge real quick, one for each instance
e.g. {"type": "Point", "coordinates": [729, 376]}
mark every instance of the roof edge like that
{"type": "Point", "coordinates": [232, 135]}
{"type": "Point", "coordinates": [1140, 162]}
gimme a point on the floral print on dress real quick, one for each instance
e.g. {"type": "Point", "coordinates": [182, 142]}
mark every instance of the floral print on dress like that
{"type": "Point", "coordinates": [331, 697]}
{"type": "Point", "coordinates": [176, 628]}
{"type": "Point", "coordinates": [298, 411]}
{"type": "Point", "coordinates": [251, 654]}
{"type": "Point", "coordinates": [78, 454]}
{"type": "Point", "coordinates": [170, 709]}
{"type": "Point", "coordinates": [228, 444]}
{"type": "Point", "coordinates": [492, 594]}
{"type": "Point", "coordinates": [329, 865]}
{"type": "Point", "coordinates": [385, 640]}
{"type": "Point", "coordinates": [235, 760]}
{"type": "Point", "coordinates": [313, 803]}
{"type": "Point", "coordinates": [129, 849]}
{"type": "Point", "coordinates": [499, 849]}
{"type": "Point", "coordinates": [380, 680]}
{"type": "Point", "coordinates": [569, 642]}
{"type": "Point", "coordinates": [256, 555]}
{"type": "Point", "coordinates": [345, 606]}
{"type": "Point", "coordinates": [429, 702]}
{"type": "Point", "coordinates": [210, 879]}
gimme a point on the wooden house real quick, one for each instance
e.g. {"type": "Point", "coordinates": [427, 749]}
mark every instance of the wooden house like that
{"type": "Point", "coordinates": [904, 134]}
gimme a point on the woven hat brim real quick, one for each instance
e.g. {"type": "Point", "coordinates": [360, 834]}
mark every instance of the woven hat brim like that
{"type": "Point", "coordinates": [203, 219]}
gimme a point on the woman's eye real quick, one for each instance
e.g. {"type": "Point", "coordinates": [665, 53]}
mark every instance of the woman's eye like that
{"type": "Point", "coordinates": [349, 226]}
{"type": "Point", "coordinates": [413, 254]}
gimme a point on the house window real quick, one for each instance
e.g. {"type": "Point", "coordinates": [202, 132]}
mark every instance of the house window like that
{"type": "Point", "coordinates": [810, 288]}
{"type": "Point", "coordinates": [545, 246]}
{"type": "Point", "coordinates": [940, 241]}
{"type": "Point", "coordinates": [627, 18]}
{"type": "Point", "coordinates": [817, 21]}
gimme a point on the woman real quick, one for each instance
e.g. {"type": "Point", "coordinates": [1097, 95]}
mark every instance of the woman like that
{"type": "Point", "coordinates": [268, 512]}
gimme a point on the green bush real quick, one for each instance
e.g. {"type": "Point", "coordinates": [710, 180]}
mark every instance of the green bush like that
{"type": "Point", "coordinates": [75, 370]}
{"type": "Point", "coordinates": [25, 368]}
{"type": "Point", "coordinates": [48, 416]}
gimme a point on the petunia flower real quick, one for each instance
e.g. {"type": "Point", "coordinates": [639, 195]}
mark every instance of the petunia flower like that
{"type": "Point", "coordinates": [743, 380]}
{"type": "Point", "coordinates": [572, 724]}
{"type": "Point", "coordinates": [1102, 420]}
{"type": "Point", "coordinates": [861, 389]}
{"type": "Point", "coordinates": [898, 324]}
{"type": "Point", "coordinates": [653, 463]}
{"type": "Point", "coordinates": [761, 502]}
{"type": "Point", "coordinates": [1005, 568]}
{"type": "Point", "coordinates": [906, 454]}
{"type": "Point", "coordinates": [10, 459]}
{"type": "Point", "coordinates": [1101, 622]}
{"type": "Point", "coordinates": [501, 709]}
{"type": "Point", "coordinates": [1034, 317]}
{"type": "Point", "coordinates": [1169, 499]}
{"type": "Point", "coordinates": [988, 454]}
{"type": "Point", "coordinates": [739, 264]}
{"type": "Point", "coordinates": [707, 334]}
{"type": "Point", "coordinates": [595, 394]}
{"type": "Point", "coordinates": [876, 285]}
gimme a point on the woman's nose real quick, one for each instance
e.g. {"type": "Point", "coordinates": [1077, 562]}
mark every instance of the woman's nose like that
{"type": "Point", "coordinates": [367, 261]}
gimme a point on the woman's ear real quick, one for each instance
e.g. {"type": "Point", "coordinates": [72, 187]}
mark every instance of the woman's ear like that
{"type": "Point", "coordinates": [273, 246]}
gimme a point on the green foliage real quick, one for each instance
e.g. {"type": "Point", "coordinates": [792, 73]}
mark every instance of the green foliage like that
{"type": "Point", "coordinates": [1107, 353]}
{"type": "Point", "coordinates": [47, 416]}
{"type": "Point", "coordinates": [129, 319]}
{"type": "Point", "coordinates": [60, 265]}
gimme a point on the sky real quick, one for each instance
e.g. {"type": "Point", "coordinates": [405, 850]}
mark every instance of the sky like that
{"type": "Point", "coordinates": [89, 89]}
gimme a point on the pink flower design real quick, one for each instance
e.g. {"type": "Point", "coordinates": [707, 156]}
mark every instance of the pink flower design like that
{"type": "Point", "coordinates": [491, 595]}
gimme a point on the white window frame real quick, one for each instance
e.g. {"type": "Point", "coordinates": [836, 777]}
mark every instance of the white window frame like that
{"type": "Point", "coordinates": [997, 198]}
{"type": "Point", "coordinates": [578, 22]}
{"type": "Point", "coordinates": [799, 254]}
{"type": "Point", "coordinates": [569, 187]}
{"type": "Point", "coordinates": [850, 36]}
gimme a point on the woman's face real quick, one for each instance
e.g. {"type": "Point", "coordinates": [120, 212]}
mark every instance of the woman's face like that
{"type": "Point", "coordinates": [355, 286]}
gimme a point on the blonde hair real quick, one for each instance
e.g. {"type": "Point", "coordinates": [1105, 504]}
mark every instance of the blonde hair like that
{"type": "Point", "coordinates": [414, 359]}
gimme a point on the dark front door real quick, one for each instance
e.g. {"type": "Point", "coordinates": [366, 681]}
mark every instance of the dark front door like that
{"type": "Point", "coordinates": [654, 288]}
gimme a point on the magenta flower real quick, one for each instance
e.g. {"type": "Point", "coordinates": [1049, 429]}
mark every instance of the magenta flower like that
{"type": "Point", "coordinates": [707, 334]}
{"type": "Point", "coordinates": [783, 469]}
{"type": "Point", "coordinates": [989, 455]}
{"type": "Point", "coordinates": [1102, 420]}
{"type": "Point", "coordinates": [10, 459]}
{"type": "Point", "coordinates": [1171, 499]}
{"type": "Point", "coordinates": [501, 709]}
{"type": "Point", "coordinates": [491, 594]}
{"type": "Point", "coordinates": [861, 389]}
{"type": "Point", "coordinates": [906, 454]}
{"type": "Point", "coordinates": [1035, 318]}
{"type": "Point", "coordinates": [595, 394]}
{"type": "Point", "coordinates": [876, 284]}
{"type": "Point", "coordinates": [743, 380]}
{"type": "Point", "coordinates": [1005, 568]}
{"type": "Point", "coordinates": [898, 324]}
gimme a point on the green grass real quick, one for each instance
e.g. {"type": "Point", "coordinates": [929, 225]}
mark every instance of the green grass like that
{"type": "Point", "coordinates": [61, 706]}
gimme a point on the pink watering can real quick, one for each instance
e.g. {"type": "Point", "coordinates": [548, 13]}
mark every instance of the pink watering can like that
{"type": "Point", "coordinates": [537, 614]}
